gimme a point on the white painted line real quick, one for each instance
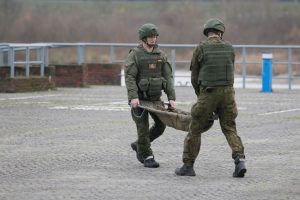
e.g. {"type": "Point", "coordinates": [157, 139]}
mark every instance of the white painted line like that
{"type": "Point", "coordinates": [281, 111]}
{"type": "Point", "coordinates": [28, 97]}
{"type": "Point", "coordinates": [91, 108]}
{"type": "Point", "coordinates": [241, 108]}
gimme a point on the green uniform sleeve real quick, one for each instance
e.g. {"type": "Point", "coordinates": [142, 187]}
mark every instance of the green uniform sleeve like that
{"type": "Point", "coordinates": [131, 71]}
{"type": "Point", "coordinates": [168, 76]}
{"type": "Point", "coordinates": [195, 68]}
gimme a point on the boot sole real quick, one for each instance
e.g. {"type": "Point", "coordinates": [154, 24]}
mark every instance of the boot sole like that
{"type": "Point", "coordinates": [152, 166]}
{"type": "Point", "coordinates": [183, 174]}
{"type": "Point", "coordinates": [241, 173]}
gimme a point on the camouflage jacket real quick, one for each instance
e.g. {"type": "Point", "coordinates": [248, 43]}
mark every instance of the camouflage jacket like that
{"type": "Point", "coordinates": [134, 69]}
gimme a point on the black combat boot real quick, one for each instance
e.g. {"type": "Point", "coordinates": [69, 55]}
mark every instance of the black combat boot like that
{"type": "Point", "coordinates": [240, 168]}
{"type": "Point", "coordinates": [150, 162]}
{"type": "Point", "coordinates": [186, 170]}
{"type": "Point", "coordinates": [134, 148]}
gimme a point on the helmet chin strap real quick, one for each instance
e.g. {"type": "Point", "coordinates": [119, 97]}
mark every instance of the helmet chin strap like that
{"type": "Point", "coordinates": [221, 35]}
{"type": "Point", "coordinates": [149, 45]}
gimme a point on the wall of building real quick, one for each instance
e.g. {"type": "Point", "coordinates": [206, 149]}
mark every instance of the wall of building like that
{"type": "Point", "coordinates": [59, 76]}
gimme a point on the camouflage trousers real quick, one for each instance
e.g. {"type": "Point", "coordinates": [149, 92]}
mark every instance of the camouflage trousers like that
{"type": "Point", "coordinates": [220, 100]}
{"type": "Point", "coordinates": [145, 134]}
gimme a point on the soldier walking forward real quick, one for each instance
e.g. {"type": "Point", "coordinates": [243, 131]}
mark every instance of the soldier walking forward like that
{"type": "Point", "coordinates": [147, 73]}
{"type": "Point", "coordinates": [212, 77]}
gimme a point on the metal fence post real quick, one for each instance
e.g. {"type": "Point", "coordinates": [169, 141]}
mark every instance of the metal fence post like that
{"type": "Point", "coordinates": [290, 68]}
{"type": "Point", "coordinates": [27, 65]}
{"type": "Point", "coordinates": [244, 67]}
{"type": "Point", "coordinates": [80, 54]}
{"type": "Point", "coordinates": [11, 60]}
{"type": "Point", "coordinates": [42, 65]}
{"type": "Point", "coordinates": [112, 54]}
{"type": "Point", "coordinates": [1, 57]}
{"type": "Point", "coordinates": [46, 60]}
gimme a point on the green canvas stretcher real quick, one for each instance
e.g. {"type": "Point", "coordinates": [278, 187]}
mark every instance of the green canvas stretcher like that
{"type": "Point", "coordinates": [175, 118]}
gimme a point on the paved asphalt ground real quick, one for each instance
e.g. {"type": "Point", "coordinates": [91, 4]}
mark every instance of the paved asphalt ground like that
{"type": "Point", "coordinates": [74, 143]}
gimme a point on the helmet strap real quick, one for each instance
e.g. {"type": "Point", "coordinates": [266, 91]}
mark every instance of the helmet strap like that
{"type": "Point", "coordinates": [148, 45]}
{"type": "Point", "coordinates": [221, 35]}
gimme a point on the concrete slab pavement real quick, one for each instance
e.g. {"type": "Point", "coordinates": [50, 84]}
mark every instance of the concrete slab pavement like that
{"type": "Point", "coordinates": [74, 143]}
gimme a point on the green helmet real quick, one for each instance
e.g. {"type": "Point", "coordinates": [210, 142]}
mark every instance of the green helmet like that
{"type": "Point", "coordinates": [215, 24]}
{"type": "Point", "coordinates": [148, 30]}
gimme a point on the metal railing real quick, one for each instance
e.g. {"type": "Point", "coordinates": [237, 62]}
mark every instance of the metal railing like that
{"type": "Point", "coordinates": [11, 49]}
{"type": "Point", "coordinates": [41, 50]}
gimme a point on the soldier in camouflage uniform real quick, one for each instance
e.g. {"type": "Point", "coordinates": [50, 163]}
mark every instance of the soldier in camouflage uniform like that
{"type": "Point", "coordinates": [147, 73]}
{"type": "Point", "coordinates": [212, 77]}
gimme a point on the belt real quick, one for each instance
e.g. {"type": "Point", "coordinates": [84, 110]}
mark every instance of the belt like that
{"type": "Point", "coordinates": [209, 89]}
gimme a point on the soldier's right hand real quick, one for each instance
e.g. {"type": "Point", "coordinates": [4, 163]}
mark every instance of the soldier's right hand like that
{"type": "Point", "coordinates": [134, 103]}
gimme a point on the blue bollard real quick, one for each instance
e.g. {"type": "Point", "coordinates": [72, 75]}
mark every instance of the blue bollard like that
{"type": "Point", "coordinates": [267, 72]}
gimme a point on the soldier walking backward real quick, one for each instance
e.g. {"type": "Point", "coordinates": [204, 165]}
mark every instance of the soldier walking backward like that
{"type": "Point", "coordinates": [212, 77]}
{"type": "Point", "coordinates": [147, 73]}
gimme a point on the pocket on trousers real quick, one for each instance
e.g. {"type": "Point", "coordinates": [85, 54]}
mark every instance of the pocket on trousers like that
{"type": "Point", "coordinates": [199, 108]}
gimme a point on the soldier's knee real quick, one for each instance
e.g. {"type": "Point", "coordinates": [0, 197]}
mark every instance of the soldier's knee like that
{"type": "Point", "coordinates": [195, 132]}
{"type": "Point", "coordinates": [198, 127]}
